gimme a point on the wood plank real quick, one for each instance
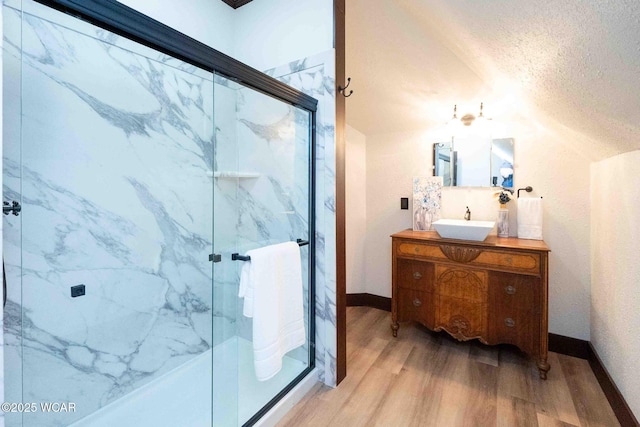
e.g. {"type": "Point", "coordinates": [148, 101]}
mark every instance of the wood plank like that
{"type": "Point", "coordinates": [589, 400]}
{"type": "Point", "coordinates": [489, 355]}
{"type": "Point", "coordinates": [553, 397]}
{"type": "Point", "coordinates": [516, 412]}
{"type": "Point", "coordinates": [401, 405]}
{"type": "Point", "coordinates": [445, 402]}
{"type": "Point", "coordinates": [395, 354]}
{"type": "Point", "coordinates": [356, 410]}
{"type": "Point", "coordinates": [514, 379]}
{"type": "Point", "coordinates": [518, 378]}
{"type": "Point", "coordinates": [423, 379]}
{"type": "Point", "coordinates": [547, 421]}
{"type": "Point", "coordinates": [370, 323]}
{"type": "Point", "coordinates": [327, 404]}
{"type": "Point", "coordinates": [481, 407]}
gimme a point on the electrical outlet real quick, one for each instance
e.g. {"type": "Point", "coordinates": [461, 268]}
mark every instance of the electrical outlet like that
{"type": "Point", "coordinates": [404, 203]}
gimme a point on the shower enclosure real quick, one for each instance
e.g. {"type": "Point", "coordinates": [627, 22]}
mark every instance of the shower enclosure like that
{"type": "Point", "coordinates": [140, 167]}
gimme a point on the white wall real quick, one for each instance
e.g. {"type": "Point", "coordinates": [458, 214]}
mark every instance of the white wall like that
{"type": "Point", "coordinates": [269, 33]}
{"type": "Point", "coordinates": [615, 267]}
{"type": "Point", "coordinates": [544, 159]}
{"type": "Point", "coordinates": [392, 161]}
{"type": "Point", "coordinates": [356, 210]}
{"type": "Point", "coordinates": [263, 34]}
{"type": "Point", "coordinates": [208, 21]}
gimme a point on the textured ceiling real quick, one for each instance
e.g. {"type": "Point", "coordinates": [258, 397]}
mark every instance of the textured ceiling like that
{"type": "Point", "coordinates": [572, 63]}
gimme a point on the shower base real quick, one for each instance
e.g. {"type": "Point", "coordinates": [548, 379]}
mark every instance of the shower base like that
{"type": "Point", "coordinates": [183, 397]}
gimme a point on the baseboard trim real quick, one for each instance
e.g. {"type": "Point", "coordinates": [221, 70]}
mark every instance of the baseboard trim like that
{"type": "Point", "coordinates": [615, 398]}
{"type": "Point", "coordinates": [558, 344]}
{"type": "Point", "coordinates": [569, 346]}
{"type": "Point", "coordinates": [369, 300]}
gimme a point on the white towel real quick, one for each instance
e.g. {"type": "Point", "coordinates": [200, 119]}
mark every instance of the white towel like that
{"type": "Point", "coordinates": [271, 284]}
{"type": "Point", "coordinates": [530, 218]}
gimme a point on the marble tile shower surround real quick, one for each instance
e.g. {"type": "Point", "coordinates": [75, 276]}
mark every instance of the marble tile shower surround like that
{"type": "Point", "coordinates": [2, 399]}
{"type": "Point", "coordinates": [315, 76]}
{"type": "Point", "coordinates": [122, 204]}
{"type": "Point", "coordinates": [158, 233]}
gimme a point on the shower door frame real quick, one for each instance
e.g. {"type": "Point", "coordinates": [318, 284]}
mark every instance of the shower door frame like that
{"type": "Point", "coordinates": [131, 24]}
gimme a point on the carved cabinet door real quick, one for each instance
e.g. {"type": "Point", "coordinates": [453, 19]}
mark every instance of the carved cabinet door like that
{"type": "Point", "coordinates": [461, 295]}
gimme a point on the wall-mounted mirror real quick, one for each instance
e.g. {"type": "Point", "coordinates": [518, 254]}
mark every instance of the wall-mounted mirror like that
{"type": "Point", "coordinates": [474, 162]}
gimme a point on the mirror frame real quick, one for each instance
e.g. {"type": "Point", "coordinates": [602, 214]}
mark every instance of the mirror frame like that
{"type": "Point", "coordinates": [439, 149]}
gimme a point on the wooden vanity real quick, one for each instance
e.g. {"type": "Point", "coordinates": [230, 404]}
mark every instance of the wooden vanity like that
{"type": "Point", "coordinates": [495, 291]}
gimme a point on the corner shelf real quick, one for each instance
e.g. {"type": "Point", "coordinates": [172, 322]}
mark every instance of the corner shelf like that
{"type": "Point", "coordinates": [233, 175]}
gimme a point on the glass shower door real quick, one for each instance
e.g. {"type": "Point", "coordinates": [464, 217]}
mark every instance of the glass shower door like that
{"type": "Point", "coordinates": [262, 197]}
{"type": "Point", "coordinates": [110, 279]}
{"type": "Point", "coordinates": [139, 177]}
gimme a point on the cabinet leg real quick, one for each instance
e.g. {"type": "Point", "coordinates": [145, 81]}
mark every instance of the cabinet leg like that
{"type": "Point", "coordinates": [543, 368]}
{"type": "Point", "coordinates": [394, 328]}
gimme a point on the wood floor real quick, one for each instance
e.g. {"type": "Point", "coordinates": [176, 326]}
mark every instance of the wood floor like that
{"type": "Point", "coordinates": [427, 379]}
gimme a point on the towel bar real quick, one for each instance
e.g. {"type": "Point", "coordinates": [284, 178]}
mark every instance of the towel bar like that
{"type": "Point", "coordinates": [528, 189]}
{"type": "Point", "coordinates": [238, 257]}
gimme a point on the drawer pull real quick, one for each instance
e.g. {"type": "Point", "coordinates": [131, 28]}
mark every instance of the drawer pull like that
{"type": "Point", "coordinates": [417, 302]}
{"type": "Point", "coordinates": [510, 290]}
{"type": "Point", "coordinates": [417, 275]}
{"type": "Point", "coordinates": [509, 322]}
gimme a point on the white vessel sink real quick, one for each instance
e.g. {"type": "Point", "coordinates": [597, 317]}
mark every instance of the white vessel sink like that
{"type": "Point", "coordinates": [463, 230]}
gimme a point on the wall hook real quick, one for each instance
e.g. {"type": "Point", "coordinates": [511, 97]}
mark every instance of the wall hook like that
{"type": "Point", "coordinates": [343, 89]}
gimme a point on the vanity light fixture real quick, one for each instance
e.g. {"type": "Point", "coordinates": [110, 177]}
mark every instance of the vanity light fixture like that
{"type": "Point", "coordinates": [481, 125]}
{"type": "Point", "coordinates": [453, 125]}
{"type": "Point", "coordinates": [468, 118]}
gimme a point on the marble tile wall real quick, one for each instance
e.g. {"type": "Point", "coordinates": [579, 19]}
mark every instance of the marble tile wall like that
{"type": "Point", "coordinates": [315, 76]}
{"type": "Point", "coordinates": [117, 195]}
{"type": "Point", "coordinates": [1, 289]}
{"type": "Point", "coordinates": [123, 205]}
{"type": "Point", "coordinates": [12, 371]}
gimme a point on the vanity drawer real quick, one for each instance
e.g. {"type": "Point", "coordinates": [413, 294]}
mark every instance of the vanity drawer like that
{"type": "Point", "coordinates": [509, 290]}
{"type": "Point", "coordinates": [415, 305]}
{"type": "Point", "coordinates": [417, 275]}
{"type": "Point", "coordinates": [514, 261]}
{"type": "Point", "coordinates": [518, 327]}
{"type": "Point", "coordinates": [524, 262]}
{"type": "Point", "coordinates": [419, 250]}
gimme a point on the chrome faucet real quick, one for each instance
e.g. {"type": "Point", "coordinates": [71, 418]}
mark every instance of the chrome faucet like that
{"type": "Point", "coordinates": [467, 215]}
